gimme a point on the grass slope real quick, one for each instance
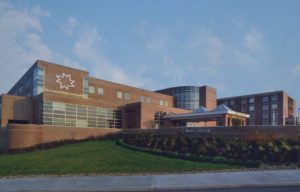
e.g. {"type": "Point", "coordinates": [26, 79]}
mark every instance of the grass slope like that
{"type": "Point", "coordinates": [100, 157]}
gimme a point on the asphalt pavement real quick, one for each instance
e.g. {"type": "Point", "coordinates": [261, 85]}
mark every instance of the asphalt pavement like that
{"type": "Point", "coordinates": [230, 181]}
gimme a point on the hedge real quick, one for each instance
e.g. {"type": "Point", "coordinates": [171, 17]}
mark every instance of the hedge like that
{"type": "Point", "coordinates": [267, 150]}
{"type": "Point", "coordinates": [192, 157]}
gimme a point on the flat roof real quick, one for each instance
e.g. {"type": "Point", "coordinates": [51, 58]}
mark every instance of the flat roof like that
{"type": "Point", "coordinates": [253, 95]}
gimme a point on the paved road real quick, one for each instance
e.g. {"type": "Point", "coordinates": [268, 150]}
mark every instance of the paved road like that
{"type": "Point", "coordinates": [249, 189]}
{"type": "Point", "coordinates": [222, 180]}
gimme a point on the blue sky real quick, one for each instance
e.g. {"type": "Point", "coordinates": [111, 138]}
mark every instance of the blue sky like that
{"type": "Point", "coordinates": [238, 47]}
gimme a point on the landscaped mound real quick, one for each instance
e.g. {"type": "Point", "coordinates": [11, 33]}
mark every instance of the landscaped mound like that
{"type": "Point", "coordinates": [96, 157]}
{"type": "Point", "coordinates": [263, 150]}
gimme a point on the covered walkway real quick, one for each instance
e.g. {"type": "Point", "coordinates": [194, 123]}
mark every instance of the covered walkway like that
{"type": "Point", "coordinates": [222, 115]}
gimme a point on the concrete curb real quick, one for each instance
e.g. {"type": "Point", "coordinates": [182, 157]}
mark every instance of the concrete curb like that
{"type": "Point", "coordinates": [275, 178]}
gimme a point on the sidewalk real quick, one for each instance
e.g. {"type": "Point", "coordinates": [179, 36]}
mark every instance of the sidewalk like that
{"type": "Point", "coordinates": [153, 182]}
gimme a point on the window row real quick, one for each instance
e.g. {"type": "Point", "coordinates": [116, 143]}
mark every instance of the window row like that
{"type": "Point", "coordinates": [142, 99]}
{"type": "Point", "coordinates": [121, 95]}
{"type": "Point", "coordinates": [100, 90]}
{"type": "Point", "coordinates": [63, 114]}
{"type": "Point", "coordinates": [163, 103]}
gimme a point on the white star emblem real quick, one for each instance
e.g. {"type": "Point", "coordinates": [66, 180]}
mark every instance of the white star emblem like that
{"type": "Point", "coordinates": [61, 78]}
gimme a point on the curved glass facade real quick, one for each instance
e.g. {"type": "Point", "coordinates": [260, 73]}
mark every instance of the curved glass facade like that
{"type": "Point", "coordinates": [185, 97]}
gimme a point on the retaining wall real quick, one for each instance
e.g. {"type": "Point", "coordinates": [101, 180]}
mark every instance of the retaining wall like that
{"type": "Point", "coordinates": [22, 136]}
{"type": "Point", "coordinates": [232, 132]}
{"type": "Point", "coordinates": [17, 136]}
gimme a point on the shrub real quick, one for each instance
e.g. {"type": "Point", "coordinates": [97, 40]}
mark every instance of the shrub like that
{"type": "Point", "coordinates": [269, 149]}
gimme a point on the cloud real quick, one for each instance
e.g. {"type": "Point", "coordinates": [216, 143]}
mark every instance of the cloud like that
{"type": "Point", "coordinates": [208, 46]}
{"type": "Point", "coordinates": [88, 49]}
{"type": "Point", "coordinates": [214, 49]}
{"type": "Point", "coordinates": [36, 45]}
{"type": "Point", "coordinates": [21, 41]}
{"type": "Point", "coordinates": [158, 40]}
{"type": "Point", "coordinates": [173, 71]}
{"type": "Point", "coordinates": [68, 28]}
{"type": "Point", "coordinates": [141, 28]}
{"type": "Point", "coordinates": [296, 70]}
{"type": "Point", "coordinates": [87, 46]}
{"type": "Point", "coordinates": [243, 58]}
{"type": "Point", "coordinates": [238, 23]}
{"type": "Point", "coordinates": [253, 41]}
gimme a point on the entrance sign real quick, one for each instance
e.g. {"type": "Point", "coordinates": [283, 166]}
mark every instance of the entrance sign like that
{"type": "Point", "coordinates": [194, 130]}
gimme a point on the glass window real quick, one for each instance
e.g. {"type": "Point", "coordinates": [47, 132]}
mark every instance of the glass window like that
{"type": "Point", "coordinates": [86, 86]}
{"type": "Point", "coordinates": [251, 100]}
{"type": "Point", "coordinates": [59, 106]}
{"type": "Point", "coordinates": [265, 106]}
{"type": "Point", "coordinates": [274, 117]}
{"type": "Point", "coordinates": [265, 99]}
{"type": "Point", "coordinates": [231, 102]}
{"type": "Point", "coordinates": [148, 99]}
{"type": "Point", "coordinates": [38, 80]}
{"type": "Point", "coordinates": [142, 99]}
{"type": "Point", "coordinates": [251, 108]}
{"type": "Point", "coordinates": [274, 97]}
{"type": "Point", "coordinates": [274, 106]}
{"type": "Point", "coordinates": [186, 97]}
{"type": "Point", "coordinates": [166, 103]}
{"type": "Point", "coordinates": [265, 115]}
{"type": "Point", "coordinates": [72, 115]}
{"type": "Point", "coordinates": [91, 89]}
{"type": "Point", "coordinates": [161, 102]}
{"type": "Point", "coordinates": [244, 101]}
{"type": "Point", "coordinates": [119, 95]}
{"type": "Point", "coordinates": [244, 108]}
{"type": "Point", "coordinates": [127, 96]}
{"type": "Point", "coordinates": [100, 91]}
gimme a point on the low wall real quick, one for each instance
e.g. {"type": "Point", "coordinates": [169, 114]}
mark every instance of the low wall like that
{"type": "Point", "coordinates": [232, 132]}
{"type": "Point", "coordinates": [22, 136]}
{"type": "Point", "coordinates": [18, 136]}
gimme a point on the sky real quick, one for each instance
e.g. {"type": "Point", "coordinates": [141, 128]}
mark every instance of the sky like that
{"type": "Point", "coordinates": [239, 47]}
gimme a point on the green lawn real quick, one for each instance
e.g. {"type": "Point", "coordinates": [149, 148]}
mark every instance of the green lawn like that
{"type": "Point", "coordinates": [100, 157]}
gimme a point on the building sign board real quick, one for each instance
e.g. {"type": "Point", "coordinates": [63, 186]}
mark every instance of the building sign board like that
{"type": "Point", "coordinates": [194, 130]}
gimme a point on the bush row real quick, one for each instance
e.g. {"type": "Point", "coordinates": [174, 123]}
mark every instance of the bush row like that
{"type": "Point", "coordinates": [268, 150]}
{"type": "Point", "coordinates": [192, 157]}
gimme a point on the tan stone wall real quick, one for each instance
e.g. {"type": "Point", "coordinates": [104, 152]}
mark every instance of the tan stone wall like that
{"type": "Point", "coordinates": [16, 108]}
{"type": "Point", "coordinates": [22, 136]}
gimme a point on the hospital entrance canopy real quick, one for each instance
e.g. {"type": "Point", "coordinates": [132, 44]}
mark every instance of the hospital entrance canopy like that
{"type": "Point", "coordinates": [222, 114]}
